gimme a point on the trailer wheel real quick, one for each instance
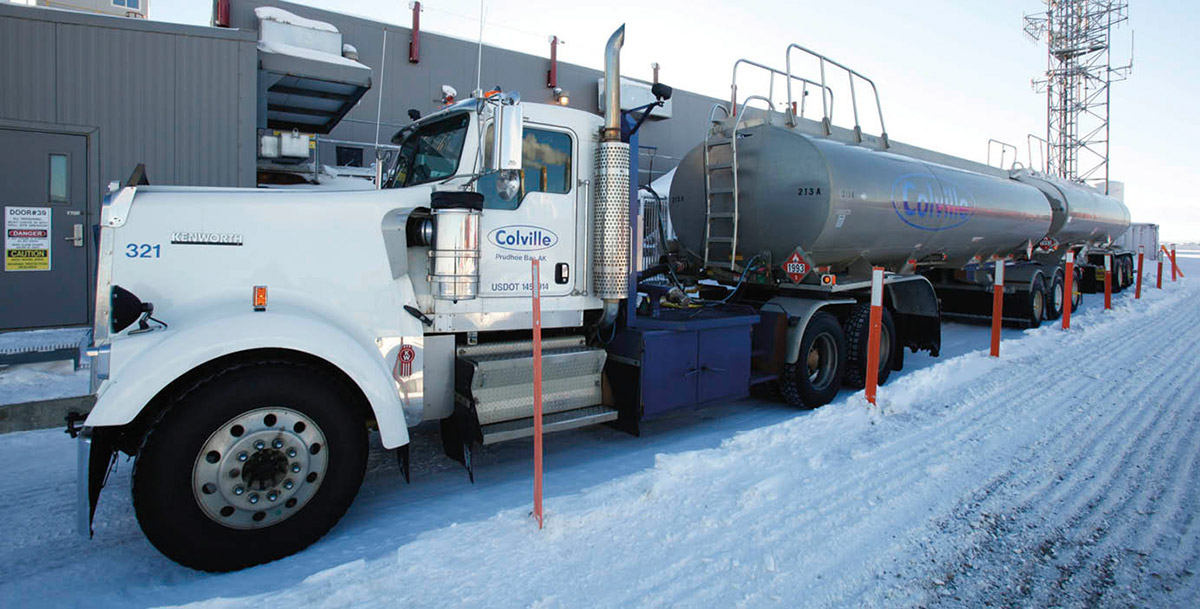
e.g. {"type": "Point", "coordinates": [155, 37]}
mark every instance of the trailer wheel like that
{"type": "Point", "coordinates": [1056, 297]}
{"type": "Point", "coordinates": [1077, 289]}
{"type": "Point", "coordinates": [858, 328]}
{"type": "Point", "coordinates": [1036, 307]}
{"type": "Point", "coordinates": [251, 464]}
{"type": "Point", "coordinates": [816, 377]}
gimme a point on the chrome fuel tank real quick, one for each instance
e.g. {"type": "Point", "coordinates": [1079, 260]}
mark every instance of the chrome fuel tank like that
{"type": "Point", "coordinates": [1081, 213]}
{"type": "Point", "coordinates": [839, 202]}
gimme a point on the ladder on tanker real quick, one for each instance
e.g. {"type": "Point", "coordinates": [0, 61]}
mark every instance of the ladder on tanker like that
{"type": "Point", "coordinates": [720, 203]}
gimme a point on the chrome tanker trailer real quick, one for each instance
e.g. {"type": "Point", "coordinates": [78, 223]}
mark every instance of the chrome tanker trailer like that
{"type": "Point", "coordinates": [791, 209]}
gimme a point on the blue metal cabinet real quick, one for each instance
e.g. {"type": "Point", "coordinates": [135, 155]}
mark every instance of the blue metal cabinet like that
{"type": "Point", "coordinates": [663, 365]}
{"type": "Point", "coordinates": [724, 364]}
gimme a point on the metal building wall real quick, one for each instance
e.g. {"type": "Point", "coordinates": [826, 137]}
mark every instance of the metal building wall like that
{"type": "Point", "coordinates": [450, 61]}
{"type": "Point", "coordinates": [178, 98]}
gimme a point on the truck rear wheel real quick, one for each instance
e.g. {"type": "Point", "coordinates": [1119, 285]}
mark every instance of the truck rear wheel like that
{"type": "Point", "coordinates": [816, 377]}
{"type": "Point", "coordinates": [251, 464]}
{"type": "Point", "coordinates": [858, 328]}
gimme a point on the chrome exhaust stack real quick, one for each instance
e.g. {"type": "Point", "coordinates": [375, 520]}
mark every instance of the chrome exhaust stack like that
{"type": "Point", "coordinates": [610, 208]}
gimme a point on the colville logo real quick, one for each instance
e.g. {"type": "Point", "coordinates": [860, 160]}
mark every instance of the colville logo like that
{"type": "Point", "coordinates": [521, 238]}
{"type": "Point", "coordinates": [925, 203]}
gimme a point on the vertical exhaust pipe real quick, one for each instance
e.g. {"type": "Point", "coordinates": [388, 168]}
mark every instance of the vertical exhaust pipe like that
{"type": "Point", "coordinates": [610, 208]}
{"type": "Point", "coordinates": [612, 86]}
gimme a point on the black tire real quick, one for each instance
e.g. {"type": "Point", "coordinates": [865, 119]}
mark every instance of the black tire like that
{"type": "Point", "coordinates": [274, 399]}
{"type": "Point", "coordinates": [858, 327]}
{"type": "Point", "coordinates": [1035, 307]}
{"type": "Point", "coordinates": [1077, 289]}
{"type": "Point", "coordinates": [1055, 297]}
{"type": "Point", "coordinates": [814, 381]}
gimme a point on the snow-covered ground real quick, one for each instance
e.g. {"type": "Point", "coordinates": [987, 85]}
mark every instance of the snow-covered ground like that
{"type": "Point", "coordinates": [45, 380]}
{"type": "Point", "coordinates": [1066, 473]}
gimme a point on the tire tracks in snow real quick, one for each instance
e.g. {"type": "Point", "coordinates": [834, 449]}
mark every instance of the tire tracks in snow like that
{"type": "Point", "coordinates": [1096, 492]}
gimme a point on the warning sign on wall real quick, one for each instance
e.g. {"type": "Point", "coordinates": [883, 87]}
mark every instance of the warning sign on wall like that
{"type": "Point", "coordinates": [26, 238]}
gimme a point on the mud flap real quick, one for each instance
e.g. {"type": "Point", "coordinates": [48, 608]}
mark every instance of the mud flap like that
{"type": "Point", "coordinates": [96, 455]}
{"type": "Point", "coordinates": [404, 461]}
{"type": "Point", "coordinates": [459, 432]}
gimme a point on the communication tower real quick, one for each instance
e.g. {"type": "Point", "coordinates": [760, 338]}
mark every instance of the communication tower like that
{"type": "Point", "coordinates": [1079, 74]}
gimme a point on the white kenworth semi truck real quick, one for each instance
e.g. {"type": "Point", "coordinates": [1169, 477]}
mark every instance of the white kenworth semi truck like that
{"type": "Point", "coordinates": [247, 340]}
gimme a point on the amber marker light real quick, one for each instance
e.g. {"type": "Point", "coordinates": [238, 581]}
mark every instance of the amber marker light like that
{"type": "Point", "coordinates": [260, 298]}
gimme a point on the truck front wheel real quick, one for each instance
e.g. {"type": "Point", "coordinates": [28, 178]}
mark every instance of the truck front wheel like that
{"type": "Point", "coordinates": [251, 464]}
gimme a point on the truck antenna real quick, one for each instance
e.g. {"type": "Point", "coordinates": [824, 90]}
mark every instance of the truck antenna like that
{"type": "Point", "coordinates": [479, 55]}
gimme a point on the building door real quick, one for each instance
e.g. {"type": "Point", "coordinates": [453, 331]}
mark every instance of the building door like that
{"type": "Point", "coordinates": [44, 281]}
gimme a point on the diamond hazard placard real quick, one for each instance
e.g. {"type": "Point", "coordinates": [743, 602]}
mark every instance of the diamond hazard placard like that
{"type": "Point", "coordinates": [796, 267]}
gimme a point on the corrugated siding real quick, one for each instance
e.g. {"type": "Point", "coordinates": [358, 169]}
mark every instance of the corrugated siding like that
{"type": "Point", "coordinates": [124, 82]}
{"type": "Point", "coordinates": [206, 98]}
{"type": "Point", "coordinates": [27, 70]}
{"type": "Point", "coordinates": [182, 104]}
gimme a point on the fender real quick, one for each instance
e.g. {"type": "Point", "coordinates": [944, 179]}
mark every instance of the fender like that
{"type": "Point", "coordinates": [799, 311]}
{"type": "Point", "coordinates": [141, 372]}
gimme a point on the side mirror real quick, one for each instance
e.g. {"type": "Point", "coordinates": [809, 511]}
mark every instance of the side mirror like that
{"type": "Point", "coordinates": [509, 127]}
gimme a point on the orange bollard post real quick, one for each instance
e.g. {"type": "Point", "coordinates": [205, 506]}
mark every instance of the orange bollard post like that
{"type": "Point", "coordinates": [1141, 256]}
{"type": "Point", "coordinates": [997, 305]}
{"type": "Point", "coordinates": [873, 334]}
{"type": "Point", "coordinates": [1174, 264]}
{"type": "Point", "coordinates": [1107, 282]}
{"type": "Point", "coordinates": [537, 393]}
{"type": "Point", "coordinates": [1068, 293]}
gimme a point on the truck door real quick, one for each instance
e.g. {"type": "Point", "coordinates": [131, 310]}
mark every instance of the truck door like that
{"type": "Point", "coordinates": [538, 223]}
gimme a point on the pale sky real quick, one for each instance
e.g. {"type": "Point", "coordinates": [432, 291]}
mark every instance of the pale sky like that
{"type": "Point", "coordinates": [951, 73]}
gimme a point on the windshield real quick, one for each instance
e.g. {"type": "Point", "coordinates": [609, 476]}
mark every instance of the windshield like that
{"type": "Point", "coordinates": [431, 152]}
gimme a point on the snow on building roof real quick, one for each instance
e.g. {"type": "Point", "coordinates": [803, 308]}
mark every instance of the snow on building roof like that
{"type": "Point", "coordinates": [272, 13]}
{"type": "Point", "coordinates": [290, 50]}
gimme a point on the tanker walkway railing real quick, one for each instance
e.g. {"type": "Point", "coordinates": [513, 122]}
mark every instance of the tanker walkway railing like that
{"type": "Point", "coordinates": [826, 111]}
{"type": "Point", "coordinates": [771, 87]}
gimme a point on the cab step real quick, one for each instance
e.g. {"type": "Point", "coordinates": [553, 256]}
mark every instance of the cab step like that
{"type": "Point", "coordinates": [558, 421]}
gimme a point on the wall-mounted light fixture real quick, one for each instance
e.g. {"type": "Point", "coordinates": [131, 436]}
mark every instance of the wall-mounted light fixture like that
{"type": "Point", "coordinates": [561, 97]}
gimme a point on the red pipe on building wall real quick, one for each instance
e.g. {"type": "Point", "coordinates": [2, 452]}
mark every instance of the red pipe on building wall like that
{"type": "Point", "coordinates": [414, 45]}
{"type": "Point", "coordinates": [552, 73]}
{"type": "Point", "coordinates": [221, 18]}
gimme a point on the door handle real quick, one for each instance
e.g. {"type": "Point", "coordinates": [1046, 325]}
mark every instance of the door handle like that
{"type": "Point", "coordinates": [76, 237]}
{"type": "Point", "coordinates": [712, 369]}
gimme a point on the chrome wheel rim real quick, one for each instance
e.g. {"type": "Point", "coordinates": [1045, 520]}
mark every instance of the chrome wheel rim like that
{"type": "Point", "coordinates": [821, 360]}
{"type": "Point", "coordinates": [1038, 305]}
{"type": "Point", "coordinates": [1058, 296]}
{"type": "Point", "coordinates": [259, 468]}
